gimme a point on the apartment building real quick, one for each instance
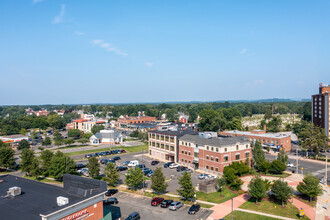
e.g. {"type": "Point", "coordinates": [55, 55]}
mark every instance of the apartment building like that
{"type": "Point", "coordinates": [86, 125]}
{"type": "Point", "coordinates": [321, 108]}
{"type": "Point", "coordinates": [163, 145]}
{"type": "Point", "coordinates": [212, 154]}
{"type": "Point", "coordinates": [274, 140]}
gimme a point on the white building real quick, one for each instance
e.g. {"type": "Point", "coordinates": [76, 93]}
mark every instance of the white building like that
{"type": "Point", "coordinates": [106, 137]}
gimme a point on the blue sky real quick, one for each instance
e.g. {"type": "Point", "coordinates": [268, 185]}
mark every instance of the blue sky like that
{"type": "Point", "coordinates": [67, 52]}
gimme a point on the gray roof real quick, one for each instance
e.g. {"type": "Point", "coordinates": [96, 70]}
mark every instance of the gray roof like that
{"type": "Point", "coordinates": [214, 141]}
{"type": "Point", "coordinates": [178, 133]}
{"type": "Point", "coordinates": [115, 134]}
{"type": "Point", "coordinates": [40, 198]}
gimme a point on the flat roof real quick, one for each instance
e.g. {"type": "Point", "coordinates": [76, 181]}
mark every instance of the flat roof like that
{"type": "Point", "coordinates": [214, 141]}
{"type": "Point", "coordinates": [178, 133]}
{"type": "Point", "coordinates": [266, 135]}
{"type": "Point", "coordinates": [41, 198]}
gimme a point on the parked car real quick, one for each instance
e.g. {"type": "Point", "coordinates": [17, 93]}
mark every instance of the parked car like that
{"type": "Point", "coordinates": [133, 163]}
{"type": "Point", "coordinates": [150, 173]}
{"type": "Point", "coordinates": [98, 154]}
{"type": "Point", "coordinates": [180, 168]}
{"type": "Point", "coordinates": [141, 166]}
{"type": "Point", "coordinates": [202, 176]}
{"type": "Point", "coordinates": [290, 164]}
{"type": "Point", "coordinates": [126, 163]}
{"type": "Point", "coordinates": [166, 203]}
{"type": "Point", "coordinates": [104, 161]}
{"type": "Point", "coordinates": [83, 171]}
{"type": "Point", "coordinates": [80, 165]}
{"type": "Point", "coordinates": [328, 150]}
{"type": "Point", "coordinates": [193, 209]}
{"type": "Point", "coordinates": [156, 201]}
{"type": "Point", "coordinates": [173, 165]}
{"type": "Point", "coordinates": [187, 170]}
{"type": "Point", "coordinates": [133, 216]}
{"type": "Point", "coordinates": [121, 168]}
{"type": "Point", "coordinates": [111, 192]}
{"type": "Point", "coordinates": [123, 151]}
{"type": "Point", "coordinates": [154, 162]}
{"type": "Point", "coordinates": [107, 152]}
{"type": "Point", "coordinates": [111, 200]}
{"type": "Point", "coordinates": [175, 205]}
{"type": "Point", "coordinates": [88, 155]}
{"type": "Point", "coordinates": [146, 170]}
{"type": "Point", "coordinates": [103, 153]}
{"type": "Point", "coordinates": [116, 158]}
{"type": "Point", "coordinates": [168, 164]}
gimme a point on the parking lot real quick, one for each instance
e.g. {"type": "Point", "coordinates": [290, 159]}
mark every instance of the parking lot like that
{"type": "Point", "coordinates": [129, 203]}
{"type": "Point", "coordinates": [171, 175]}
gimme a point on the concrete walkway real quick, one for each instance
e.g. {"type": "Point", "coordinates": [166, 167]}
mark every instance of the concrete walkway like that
{"type": "Point", "coordinates": [223, 209]}
{"type": "Point", "coordinates": [309, 210]}
{"type": "Point", "coordinates": [323, 212]}
{"type": "Point", "coordinates": [264, 214]}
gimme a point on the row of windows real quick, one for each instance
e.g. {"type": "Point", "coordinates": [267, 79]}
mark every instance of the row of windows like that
{"type": "Point", "coordinates": [212, 168]}
{"type": "Point", "coordinates": [226, 157]}
{"type": "Point", "coordinates": [162, 146]}
{"type": "Point", "coordinates": [185, 161]}
{"type": "Point", "coordinates": [185, 152]}
{"type": "Point", "coordinates": [161, 137]}
{"type": "Point", "coordinates": [272, 141]}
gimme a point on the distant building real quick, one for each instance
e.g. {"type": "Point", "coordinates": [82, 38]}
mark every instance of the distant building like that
{"type": "Point", "coordinates": [86, 125]}
{"type": "Point", "coordinates": [13, 139]}
{"type": "Point", "coordinates": [79, 198]}
{"type": "Point", "coordinates": [183, 118]}
{"type": "Point", "coordinates": [59, 112]}
{"type": "Point", "coordinates": [106, 137]}
{"type": "Point", "coordinates": [211, 154]}
{"type": "Point", "coordinates": [125, 121]}
{"type": "Point", "coordinates": [321, 108]}
{"type": "Point", "coordinates": [41, 112]}
{"type": "Point", "coordinates": [274, 140]}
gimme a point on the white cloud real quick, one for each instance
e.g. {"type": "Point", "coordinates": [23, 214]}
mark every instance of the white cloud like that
{"type": "Point", "coordinates": [79, 33]}
{"type": "Point", "coordinates": [244, 50]}
{"type": "Point", "coordinates": [60, 17]}
{"type": "Point", "coordinates": [148, 64]}
{"type": "Point", "coordinates": [258, 82]}
{"type": "Point", "coordinates": [36, 1]}
{"type": "Point", "coordinates": [108, 47]}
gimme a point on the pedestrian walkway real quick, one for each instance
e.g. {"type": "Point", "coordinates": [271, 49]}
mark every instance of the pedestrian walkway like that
{"type": "Point", "coordinates": [322, 205]}
{"type": "Point", "coordinates": [264, 214]}
{"type": "Point", "coordinates": [308, 210]}
{"type": "Point", "coordinates": [223, 209]}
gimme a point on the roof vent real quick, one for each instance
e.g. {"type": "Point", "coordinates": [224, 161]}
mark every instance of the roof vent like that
{"type": "Point", "coordinates": [14, 191]}
{"type": "Point", "coordinates": [62, 200]}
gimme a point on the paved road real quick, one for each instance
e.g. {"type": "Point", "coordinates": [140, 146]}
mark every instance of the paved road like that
{"type": "Point", "coordinates": [129, 203]}
{"type": "Point", "coordinates": [316, 169]}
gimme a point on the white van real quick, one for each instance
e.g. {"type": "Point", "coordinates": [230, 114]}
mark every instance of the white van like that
{"type": "Point", "coordinates": [133, 163]}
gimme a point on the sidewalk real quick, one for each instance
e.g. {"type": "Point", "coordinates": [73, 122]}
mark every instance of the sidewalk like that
{"type": "Point", "coordinates": [309, 210]}
{"type": "Point", "coordinates": [264, 214]}
{"type": "Point", "coordinates": [321, 212]}
{"type": "Point", "coordinates": [223, 209]}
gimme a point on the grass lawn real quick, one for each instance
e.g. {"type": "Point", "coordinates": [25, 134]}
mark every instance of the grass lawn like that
{"type": "Point", "coordinates": [42, 179]}
{"type": "Point", "coordinates": [74, 146]}
{"type": "Point", "coordinates": [132, 149]}
{"type": "Point", "coordinates": [238, 215]}
{"type": "Point", "coordinates": [266, 206]}
{"type": "Point", "coordinates": [215, 196]}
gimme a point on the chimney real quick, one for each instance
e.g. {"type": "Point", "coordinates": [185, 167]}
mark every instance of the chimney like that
{"type": "Point", "coordinates": [265, 127]}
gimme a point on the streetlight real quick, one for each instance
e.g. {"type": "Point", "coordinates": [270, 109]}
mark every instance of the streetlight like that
{"type": "Point", "coordinates": [143, 175]}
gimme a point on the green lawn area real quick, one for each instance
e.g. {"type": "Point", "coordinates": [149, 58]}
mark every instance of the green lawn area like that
{"type": "Point", "coordinates": [132, 149]}
{"type": "Point", "coordinates": [269, 207]}
{"type": "Point", "coordinates": [215, 196]}
{"type": "Point", "coordinates": [74, 146]}
{"type": "Point", "coordinates": [42, 179]}
{"type": "Point", "coordinates": [238, 215]}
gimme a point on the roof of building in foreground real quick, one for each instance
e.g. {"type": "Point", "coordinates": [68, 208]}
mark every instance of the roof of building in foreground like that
{"type": "Point", "coordinates": [265, 135]}
{"type": "Point", "coordinates": [41, 198]}
{"type": "Point", "coordinates": [214, 141]}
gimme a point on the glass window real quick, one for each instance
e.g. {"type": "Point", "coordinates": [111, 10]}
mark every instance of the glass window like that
{"type": "Point", "coordinates": [185, 152]}
{"type": "Point", "coordinates": [225, 158]}
{"type": "Point", "coordinates": [185, 161]}
{"type": "Point", "coordinates": [189, 153]}
{"type": "Point", "coordinates": [237, 156]}
{"type": "Point", "coordinates": [162, 146]}
{"type": "Point", "coordinates": [207, 166]}
{"type": "Point", "coordinates": [212, 149]}
{"type": "Point", "coordinates": [207, 157]}
{"type": "Point", "coordinates": [217, 149]}
{"type": "Point", "coordinates": [211, 168]}
{"type": "Point", "coordinates": [182, 151]}
{"type": "Point", "coordinates": [216, 169]}
{"type": "Point", "coordinates": [172, 148]}
{"type": "Point", "coordinates": [247, 146]}
{"type": "Point", "coordinates": [182, 160]}
{"type": "Point", "coordinates": [216, 159]}
{"type": "Point", "coordinates": [207, 148]}
{"type": "Point", "coordinates": [212, 158]}
{"type": "Point", "coordinates": [247, 154]}
{"type": "Point", "coordinates": [237, 147]}
{"type": "Point", "coordinates": [225, 149]}
{"type": "Point", "coordinates": [167, 147]}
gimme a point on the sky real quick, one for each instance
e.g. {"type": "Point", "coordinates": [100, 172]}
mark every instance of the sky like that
{"type": "Point", "coordinates": [105, 51]}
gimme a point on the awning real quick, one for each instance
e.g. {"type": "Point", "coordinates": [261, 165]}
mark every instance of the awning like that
{"type": "Point", "coordinates": [170, 154]}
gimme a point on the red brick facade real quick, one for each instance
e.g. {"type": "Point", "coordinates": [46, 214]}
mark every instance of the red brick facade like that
{"type": "Point", "coordinates": [94, 212]}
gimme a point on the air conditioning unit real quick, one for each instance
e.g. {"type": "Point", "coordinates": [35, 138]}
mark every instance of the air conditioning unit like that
{"type": "Point", "coordinates": [62, 200]}
{"type": "Point", "coordinates": [14, 191]}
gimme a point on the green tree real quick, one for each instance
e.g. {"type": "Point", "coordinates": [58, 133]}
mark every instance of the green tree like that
{"type": "Point", "coordinates": [6, 156]}
{"type": "Point", "coordinates": [186, 190]}
{"type": "Point", "coordinates": [61, 164]}
{"type": "Point", "coordinates": [265, 166]}
{"type": "Point", "coordinates": [111, 174]}
{"type": "Point", "coordinates": [211, 120]}
{"type": "Point", "coordinates": [68, 141]}
{"type": "Point", "coordinates": [268, 114]}
{"type": "Point", "coordinates": [23, 144]}
{"type": "Point", "coordinates": [46, 159]}
{"type": "Point", "coordinates": [274, 125]}
{"type": "Point", "coordinates": [58, 138]}
{"type": "Point", "coordinates": [134, 178]}
{"type": "Point", "coordinates": [97, 128]}
{"type": "Point", "coordinates": [258, 153]}
{"type": "Point", "coordinates": [74, 133]}
{"type": "Point", "coordinates": [93, 167]}
{"type": "Point", "coordinates": [313, 137]}
{"type": "Point", "coordinates": [35, 168]}
{"type": "Point", "coordinates": [310, 187]}
{"type": "Point", "coordinates": [221, 184]}
{"type": "Point", "coordinates": [281, 190]}
{"type": "Point", "coordinates": [87, 135]}
{"type": "Point", "coordinates": [83, 140]}
{"type": "Point", "coordinates": [281, 156]}
{"type": "Point", "coordinates": [277, 166]}
{"type": "Point", "coordinates": [257, 188]}
{"type": "Point", "coordinates": [27, 157]}
{"type": "Point", "coordinates": [158, 183]}
{"type": "Point", "coordinates": [55, 121]}
{"type": "Point", "coordinates": [46, 142]}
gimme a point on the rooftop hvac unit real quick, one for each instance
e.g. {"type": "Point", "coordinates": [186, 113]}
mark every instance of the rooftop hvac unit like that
{"type": "Point", "coordinates": [62, 200]}
{"type": "Point", "coordinates": [14, 191]}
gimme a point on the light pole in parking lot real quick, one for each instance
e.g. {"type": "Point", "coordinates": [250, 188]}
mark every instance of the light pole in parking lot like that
{"type": "Point", "coordinates": [142, 176]}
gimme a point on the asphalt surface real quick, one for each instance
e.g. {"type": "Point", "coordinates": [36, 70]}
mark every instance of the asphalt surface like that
{"type": "Point", "coordinates": [129, 203]}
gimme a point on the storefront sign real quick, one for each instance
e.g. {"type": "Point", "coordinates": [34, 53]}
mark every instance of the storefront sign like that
{"type": "Point", "coordinates": [83, 213]}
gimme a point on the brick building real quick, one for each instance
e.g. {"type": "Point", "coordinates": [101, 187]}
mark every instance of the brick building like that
{"type": "Point", "coordinates": [321, 108]}
{"type": "Point", "coordinates": [214, 153]}
{"type": "Point", "coordinates": [163, 145]}
{"type": "Point", "coordinates": [125, 121]}
{"type": "Point", "coordinates": [274, 140]}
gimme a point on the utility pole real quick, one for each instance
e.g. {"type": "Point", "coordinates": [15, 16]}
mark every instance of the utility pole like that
{"type": "Point", "coordinates": [297, 161]}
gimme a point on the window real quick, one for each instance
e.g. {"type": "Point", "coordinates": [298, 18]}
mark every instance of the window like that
{"type": "Point", "coordinates": [207, 148]}
{"type": "Point", "coordinates": [182, 152]}
{"type": "Point", "coordinates": [185, 152]}
{"type": "Point", "coordinates": [167, 138]}
{"type": "Point", "coordinates": [212, 158]}
{"type": "Point", "coordinates": [157, 145]}
{"type": "Point", "coordinates": [225, 158]}
{"type": "Point", "coordinates": [189, 144]}
{"type": "Point", "coordinates": [162, 146]}
{"type": "Point", "coordinates": [185, 161]}
{"type": "Point", "coordinates": [225, 149]}
{"type": "Point", "coordinates": [189, 153]}
{"type": "Point", "coordinates": [237, 156]}
{"type": "Point", "coordinates": [207, 157]}
{"type": "Point", "coordinates": [247, 146]}
{"type": "Point", "coordinates": [211, 168]}
{"type": "Point", "coordinates": [237, 147]}
{"type": "Point", "coordinates": [216, 169]}
{"type": "Point", "coordinates": [172, 139]}
{"type": "Point", "coordinates": [212, 149]}
{"type": "Point", "coordinates": [167, 147]}
{"type": "Point", "coordinates": [217, 149]}
{"type": "Point", "coordinates": [171, 148]}
{"type": "Point", "coordinates": [247, 154]}
{"type": "Point", "coordinates": [188, 161]}
{"type": "Point", "coordinates": [216, 159]}
{"type": "Point", "coordinates": [182, 160]}
{"type": "Point", "coordinates": [207, 166]}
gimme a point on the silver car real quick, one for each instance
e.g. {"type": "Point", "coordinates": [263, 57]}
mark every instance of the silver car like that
{"type": "Point", "coordinates": [176, 205]}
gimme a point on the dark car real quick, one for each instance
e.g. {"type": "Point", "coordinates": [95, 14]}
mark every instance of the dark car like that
{"type": "Point", "coordinates": [104, 161]}
{"type": "Point", "coordinates": [154, 162]}
{"type": "Point", "coordinates": [80, 165]}
{"type": "Point", "coordinates": [121, 168]}
{"type": "Point", "coordinates": [166, 165]}
{"type": "Point", "coordinates": [126, 163]}
{"type": "Point", "coordinates": [113, 152]}
{"type": "Point", "coordinates": [111, 161]}
{"type": "Point", "coordinates": [149, 174]}
{"type": "Point", "coordinates": [180, 168]}
{"type": "Point", "coordinates": [111, 192]}
{"type": "Point", "coordinates": [111, 200]}
{"type": "Point", "coordinates": [107, 152]}
{"type": "Point", "coordinates": [193, 209]}
{"type": "Point", "coordinates": [146, 171]}
{"type": "Point", "coordinates": [156, 201]}
{"type": "Point", "coordinates": [116, 158]}
{"type": "Point", "coordinates": [141, 166]}
{"type": "Point", "coordinates": [123, 151]}
{"type": "Point", "coordinates": [133, 216]}
{"type": "Point", "coordinates": [98, 154]}
{"type": "Point", "coordinates": [103, 153]}
{"type": "Point", "coordinates": [166, 203]}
